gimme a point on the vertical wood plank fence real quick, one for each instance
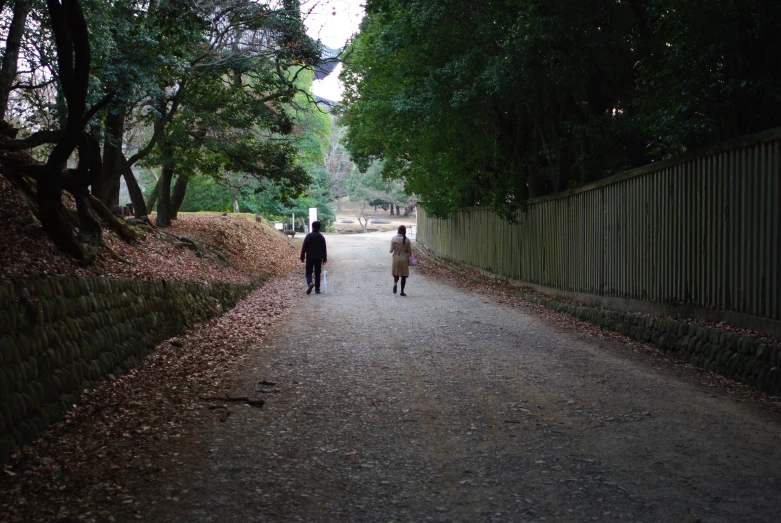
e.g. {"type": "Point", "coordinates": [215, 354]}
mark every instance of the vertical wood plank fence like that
{"type": "Point", "coordinates": [699, 231]}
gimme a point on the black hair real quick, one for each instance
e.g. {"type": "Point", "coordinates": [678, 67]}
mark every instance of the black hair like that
{"type": "Point", "coordinates": [316, 226]}
{"type": "Point", "coordinates": [403, 232]}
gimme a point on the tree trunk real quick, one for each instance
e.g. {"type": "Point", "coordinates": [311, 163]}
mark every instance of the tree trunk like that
{"type": "Point", "coordinates": [49, 190]}
{"type": "Point", "coordinates": [89, 226]}
{"type": "Point", "coordinates": [136, 196]}
{"type": "Point", "coordinates": [164, 197]}
{"type": "Point", "coordinates": [11, 55]}
{"type": "Point", "coordinates": [177, 195]}
{"type": "Point", "coordinates": [73, 59]}
{"type": "Point", "coordinates": [150, 204]}
{"type": "Point", "coordinates": [235, 199]}
{"type": "Point", "coordinates": [106, 189]}
{"type": "Point", "coordinates": [116, 224]}
{"type": "Point", "coordinates": [55, 219]}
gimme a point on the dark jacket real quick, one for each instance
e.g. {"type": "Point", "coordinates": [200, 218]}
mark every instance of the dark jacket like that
{"type": "Point", "coordinates": [314, 247]}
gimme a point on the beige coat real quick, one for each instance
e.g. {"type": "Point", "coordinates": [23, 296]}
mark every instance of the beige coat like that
{"type": "Point", "coordinates": [401, 254]}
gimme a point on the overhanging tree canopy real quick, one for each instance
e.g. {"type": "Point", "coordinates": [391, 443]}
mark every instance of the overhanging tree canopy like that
{"type": "Point", "coordinates": [491, 103]}
{"type": "Point", "coordinates": [89, 67]}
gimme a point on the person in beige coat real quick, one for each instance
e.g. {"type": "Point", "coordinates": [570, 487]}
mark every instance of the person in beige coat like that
{"type": "Point", "coordinates": [401, 249]}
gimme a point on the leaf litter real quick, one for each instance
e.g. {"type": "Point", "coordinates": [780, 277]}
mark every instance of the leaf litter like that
{"type": "Point", "coordinates": [93, 464]}
{"type": "Point", "coordinates": [121, 433]}
{"type": "Point", "coordinates": [232, 249]}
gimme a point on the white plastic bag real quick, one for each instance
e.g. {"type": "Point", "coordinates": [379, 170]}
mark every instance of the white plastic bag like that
{"type": "Point", "coordinates": [324, 282]}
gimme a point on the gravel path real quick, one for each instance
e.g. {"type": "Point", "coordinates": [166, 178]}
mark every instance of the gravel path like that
{"type": "Point", "coordinates": [446, 406]}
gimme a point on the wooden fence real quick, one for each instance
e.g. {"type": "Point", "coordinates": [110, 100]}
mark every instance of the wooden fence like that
{"type": "Point", "coordinates": [702, 231]}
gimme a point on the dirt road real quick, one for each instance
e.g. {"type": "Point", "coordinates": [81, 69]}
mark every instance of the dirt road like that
{"type": "Point", "coordinates": [445, 406]}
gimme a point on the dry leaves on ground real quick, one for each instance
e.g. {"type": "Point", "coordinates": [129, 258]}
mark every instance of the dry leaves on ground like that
{"type": "Point", "coordinates": [125, 432]}
{"type": "Point", "coordinates": [94, 464]}
{"type": "Point", "coordinates": [232, 249]}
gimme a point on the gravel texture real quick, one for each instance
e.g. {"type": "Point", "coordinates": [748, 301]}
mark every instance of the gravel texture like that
{"type": "Point", "coordinates": [448, 406]}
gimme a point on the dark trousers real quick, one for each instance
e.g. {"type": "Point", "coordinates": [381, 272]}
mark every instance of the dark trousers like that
{"type": "Point", "coordinates": [313, 266]}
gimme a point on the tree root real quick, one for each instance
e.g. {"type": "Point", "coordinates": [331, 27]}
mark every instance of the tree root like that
{"type": "Point", "coordinates": [114, 223]}
{"type": "Point", "coordinates": [222, 258]}
{"type": "Point", "coordinates": [113, 253]}
{"type": "Point", "coordinates": [191, 244]}
{"type": "Point", "coordinates": [186, 242]}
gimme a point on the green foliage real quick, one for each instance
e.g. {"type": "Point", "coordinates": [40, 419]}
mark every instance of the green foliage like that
{"type": "Point", "coordinates": [717, 75]}
{"type": "Point", "coordinates": [372, 188]}
{"type": "Point", "coordinates": [219, 89]}
{"type": "Point", "coordinates": [249, 141]}
{"type": "Point", "coordinates": [302, 205]}
{"type": "Point", "coordinates": [270, 201]}
{"type": "Point", "coordinates": [234, 127]}
{"type": "Point", "coordinates": [491, 103]}
{"type": "Point", "coordinates": [267, 199]}
{"type": "Point", "coordinates": [205, 194]}
{"type": "Point", "coordinates": [312, 125]}
{"type": "Point", "coordinates": [138, 48]}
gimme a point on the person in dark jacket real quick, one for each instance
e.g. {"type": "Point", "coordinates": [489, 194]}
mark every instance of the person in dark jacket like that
{"type": "Point", "coordinates": [314, 253]}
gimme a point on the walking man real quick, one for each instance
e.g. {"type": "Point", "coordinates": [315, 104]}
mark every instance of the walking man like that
{"type": "Point", "coordinates": [313, 251]}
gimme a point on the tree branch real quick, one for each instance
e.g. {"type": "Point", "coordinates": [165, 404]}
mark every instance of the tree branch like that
{"type": "Point", "coordinates": [32, 141]}
{"type": "Point", "coordinates": [99, 106]}
{"type": "Point", "coordinates": [159, 126]}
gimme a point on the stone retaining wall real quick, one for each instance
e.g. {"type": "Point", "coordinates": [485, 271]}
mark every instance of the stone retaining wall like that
{"type": "Point", "coordinates": [740, 358]}
{"type": "Point", "coordinates": [61, 335]}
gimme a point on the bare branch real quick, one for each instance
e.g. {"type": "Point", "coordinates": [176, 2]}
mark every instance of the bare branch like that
{"type": "Point", "coordinates": [31, 86]}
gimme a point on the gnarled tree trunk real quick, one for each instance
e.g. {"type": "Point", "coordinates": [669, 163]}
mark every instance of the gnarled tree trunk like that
{"type": "Point", "coordinates": [177, 195]}
{"type": "Point", "coordinates": [106, 187]}
{"type": "Point", "coordinates": [73, 58]}
{"type": "Point", "coordinates": [136, 196]}
{"type": "Point", "coordinates": [154, 196]}
{"type": "Point", "coordinates": [11, 55]}
{"type": "Point", "coordinates": [164, 210]}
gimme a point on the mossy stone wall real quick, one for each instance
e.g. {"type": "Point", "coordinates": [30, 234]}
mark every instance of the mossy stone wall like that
{"type": "Point", "coordinates": [61, 335]}
{"type": "Point", "coordinates": [737, 357]}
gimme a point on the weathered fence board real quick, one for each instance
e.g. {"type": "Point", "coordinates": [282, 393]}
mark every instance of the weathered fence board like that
{"type": "Point", "coordinates": [700, 231]}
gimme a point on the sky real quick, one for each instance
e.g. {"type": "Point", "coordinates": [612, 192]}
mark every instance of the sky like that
{"type": "Point", "coordinates": [333, 22]}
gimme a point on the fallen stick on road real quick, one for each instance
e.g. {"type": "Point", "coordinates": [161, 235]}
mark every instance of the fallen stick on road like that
{"type": "Point", "coordinates": [243, 399]}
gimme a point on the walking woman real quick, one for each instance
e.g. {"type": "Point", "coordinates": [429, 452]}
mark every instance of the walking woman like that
{"type": "Point", "coordinates": [401, 249]}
